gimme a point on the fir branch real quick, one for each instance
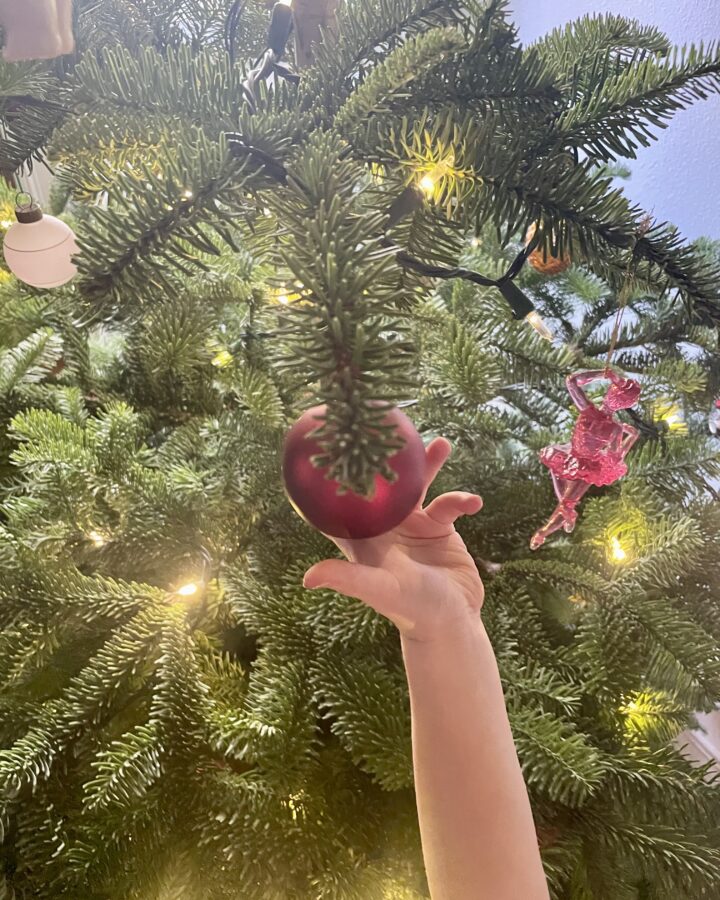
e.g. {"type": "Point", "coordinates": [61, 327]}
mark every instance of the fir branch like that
{"type": "Point", "coordinates": [125, 770]}
{"type": "Point", "coordinates": [388, 81]}
{"type": "Point", "coordinates": [556, 760]}
{"type": "Point", "coordinates": [30, 361]}
{"type": "Point", "coordinates": [620, 113]}
{"type": "Point", "coordinates": [595, 36]}
{"type": "Point", "coordinates": [339, 331]}
{"type": "Point", "coordinates": [32, 757]}
{"type": "Point", "coordinates": [366, 33]}
{"type": "Point", "coordinates": [199, 191]}
{"type": "Point", "coordinates": [340, 684]}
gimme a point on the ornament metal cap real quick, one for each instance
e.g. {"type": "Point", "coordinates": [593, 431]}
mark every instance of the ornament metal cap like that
{"type": "Point", "coordinates": [26, 215]}
{"type": "Point", "coordinates": [29, 212]}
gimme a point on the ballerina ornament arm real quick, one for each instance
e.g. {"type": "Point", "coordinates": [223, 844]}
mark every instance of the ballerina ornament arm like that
{"type": "Point", "coordinates": [575, 384]}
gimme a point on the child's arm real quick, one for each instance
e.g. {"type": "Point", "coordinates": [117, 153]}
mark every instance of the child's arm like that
{"type": "Point", "coordinates": [478, 837]}
{"type": "Point", "coordinates": [479, 841]}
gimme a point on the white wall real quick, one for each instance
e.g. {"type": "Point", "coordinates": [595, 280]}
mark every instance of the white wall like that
{"type": "Point", "coordinates": [677, 177]}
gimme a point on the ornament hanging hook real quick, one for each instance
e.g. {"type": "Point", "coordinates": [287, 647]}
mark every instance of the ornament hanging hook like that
{"type": "Point", "coordinates": [20, 204]}
{"type": "Point", "coordinates": [624, 294]}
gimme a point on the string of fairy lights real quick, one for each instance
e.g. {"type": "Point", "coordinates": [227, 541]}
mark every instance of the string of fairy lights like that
{"type": "Point", "coordinates": [421, 190]}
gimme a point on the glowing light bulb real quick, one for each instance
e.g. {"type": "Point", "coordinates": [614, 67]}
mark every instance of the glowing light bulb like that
{"type": "Point", "coordinates": [187, 590]}
{"type": "Point", "coordinates": [475, 241]}
{"type": "Point", "coordinates": [617, 551]}
{"type": "Point", "coordinates": [187, 194]}
{"type": "Point", "coordinates": [6, 223]}
{"type": "Point", "coordinates": [443, 168]}
{"type": "Point", "coordinates": [98, 539]}
{"type": "Point", "coordinates": [222, 359]}
{"type": "Point", "coordinates": [287, 295]}
{"type": "Point", "coordinates": [538, 323]}
{"type": "Point", "coordinates": [671, 414]}
{"type": "Point", "coordinates": [427, 185]}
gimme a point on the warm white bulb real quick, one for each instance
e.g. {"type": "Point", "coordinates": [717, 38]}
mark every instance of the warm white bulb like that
{"type": "Point", "coordinates": [617, 550]}
{"type": "Point", "coordinates": [40, 253]}
{"type": "Point", "coordinates": [96, 538]}
{"type": "Point", "coordinates": [187, 590]}
{"type": "Point", "coordinates": [538, 323]}
{"type": "Point", "coordinates": [222, 359]}
{"type": "Point", "coordinates": [187, 194]}
{"type": "Point", "coordinates": [6, 223]}
{"type": "Point", "coordinates": [427, 185]}
{"type": "Point", "coordinates": [283, 298]}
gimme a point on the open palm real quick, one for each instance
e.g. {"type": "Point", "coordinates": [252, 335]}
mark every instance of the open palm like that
{"type": "Point", "coordinates": [420, 575]}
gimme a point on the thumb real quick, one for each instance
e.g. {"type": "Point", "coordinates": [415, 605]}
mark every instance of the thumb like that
{"type": "Point", "coordinates": [372, 585]}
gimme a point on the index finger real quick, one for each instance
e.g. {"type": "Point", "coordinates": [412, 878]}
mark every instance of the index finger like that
{"type": "Point", "coordinates": [436, 455]}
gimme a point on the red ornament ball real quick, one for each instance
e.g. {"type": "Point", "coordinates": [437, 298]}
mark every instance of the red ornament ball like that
{"type": "Point", "coordinates": [315, 497]}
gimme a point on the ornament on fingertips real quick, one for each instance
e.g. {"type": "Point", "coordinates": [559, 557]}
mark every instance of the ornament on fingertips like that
{"type": "Point", "coordinates": [321, 502]}
{"type": "Point", "coordinates": [36, 29]}
{"type": "Point", "coordinates": [38, 248]}
{"type": "Point", "coordinates": [597, 449]}
{"type": "Point", "coordinates": [714, 418]}
{"type": "Point", "coordinates": [545, 263]}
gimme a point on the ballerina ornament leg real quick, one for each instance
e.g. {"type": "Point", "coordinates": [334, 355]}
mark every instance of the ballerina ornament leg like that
{"type": "Point", "coordinates": [565, 513]}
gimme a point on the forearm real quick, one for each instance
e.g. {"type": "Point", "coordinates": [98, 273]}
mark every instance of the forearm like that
{"type": "Point", "coordinates": [478, 836]}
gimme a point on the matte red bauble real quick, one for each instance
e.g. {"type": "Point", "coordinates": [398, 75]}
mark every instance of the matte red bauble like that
{"type": "Point", "coordinates": [349, 515]}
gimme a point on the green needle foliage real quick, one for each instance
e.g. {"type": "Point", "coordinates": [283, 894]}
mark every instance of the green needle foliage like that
{"type": "Point", "coordinates": [178, 716]}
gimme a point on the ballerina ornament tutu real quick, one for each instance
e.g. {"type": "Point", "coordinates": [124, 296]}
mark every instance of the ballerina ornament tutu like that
{"type": "Point", "coordinates": [596, 452]}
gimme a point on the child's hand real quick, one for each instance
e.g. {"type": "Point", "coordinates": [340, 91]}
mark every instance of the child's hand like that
{"type": "Point", "coordinates": [419, 575]}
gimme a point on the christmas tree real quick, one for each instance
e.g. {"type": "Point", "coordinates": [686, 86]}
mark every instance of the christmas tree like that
{"type": "Point", "coordinates": [264, 227]}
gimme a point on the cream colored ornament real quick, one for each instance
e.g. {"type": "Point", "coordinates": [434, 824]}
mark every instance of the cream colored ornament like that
{"type": "Point", "coordinates": [36, 29]}
{"type": "Point", "coordinates": [39, 249]}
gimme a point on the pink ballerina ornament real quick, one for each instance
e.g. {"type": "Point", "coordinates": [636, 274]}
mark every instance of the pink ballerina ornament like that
{"type": "Point", "coordinates": [596, 452]}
